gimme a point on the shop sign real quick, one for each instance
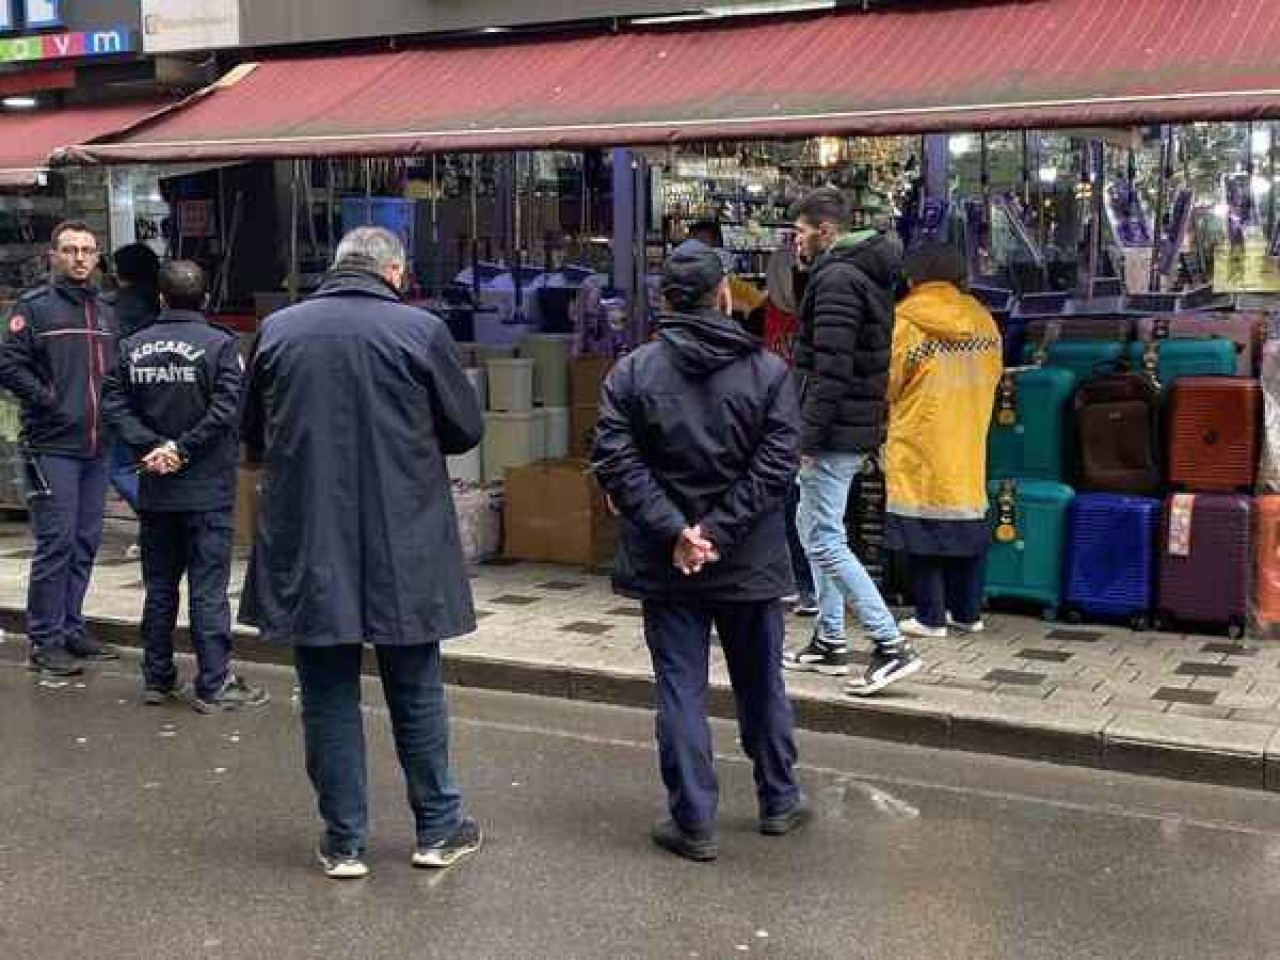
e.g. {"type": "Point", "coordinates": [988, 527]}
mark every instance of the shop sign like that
{"type": "Point", "coordinates": [30, 14]}
{"type": "Point", "coordinates": [61, 46]}
{"type": "Point", "coordinates": [169, 26]}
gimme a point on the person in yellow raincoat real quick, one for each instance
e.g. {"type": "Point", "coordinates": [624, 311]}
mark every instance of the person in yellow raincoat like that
{"type": "Point", "coordinates": [943, 377]}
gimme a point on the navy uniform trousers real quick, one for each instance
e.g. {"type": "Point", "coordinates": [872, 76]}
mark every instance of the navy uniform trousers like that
{"type": "Point", "coordinates": [197, 543]}
{"type": "Point", "coordinates": [751, 635]}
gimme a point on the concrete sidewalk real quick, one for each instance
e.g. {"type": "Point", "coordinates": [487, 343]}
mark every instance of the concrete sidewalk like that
{"type": "Point", "coordinates": [1199, 708]}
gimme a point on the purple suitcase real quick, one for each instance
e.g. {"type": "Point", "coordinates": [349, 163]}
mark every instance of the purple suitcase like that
{"type": "Point", "coordinates": [1205, 570]}
{"type": "Point", "coordinates": [1242, 329]}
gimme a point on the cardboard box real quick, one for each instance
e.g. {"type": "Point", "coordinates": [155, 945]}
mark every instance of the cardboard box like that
{"type": "Point", "coordinates": [248, 494]}
{"type": "Point", "coordinates": [555, 513]}
{"type": "Point", "coordinates": [582, 430]}
{"type": "Point", "coordinates": [586, 379]}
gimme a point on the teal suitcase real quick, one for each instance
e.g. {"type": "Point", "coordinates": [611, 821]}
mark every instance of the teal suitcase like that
{"type": "Point", "coordinates": [1083, 358]}
{"type": "Point", "coordinates": [1028, 436]}
{"type": "Point", "coordinates": [1184, 358]}
{"type": "Point", "coordinates": [1028, 534]}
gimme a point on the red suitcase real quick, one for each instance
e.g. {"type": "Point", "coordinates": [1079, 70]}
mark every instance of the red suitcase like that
{"type": "Point", "coordinates": [1204, 561]}
{"type": "Point", "coordinates": [1214, 434]}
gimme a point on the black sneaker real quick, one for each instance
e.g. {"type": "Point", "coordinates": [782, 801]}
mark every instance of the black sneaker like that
{"type": "Point", "coordinates": [886, 667]}
{"type": "Point", "coordinates": [464, 841]}
{"type": "Point", "coordinates": [54, 661]}
{"type": "Point", "coordinates": [670, 836]}
{"type": "Point", "coordinates": [341, 866]}
{"type": "Point", "coordinates": [819, 656]}
{"type": "Point", "coordinates": [783, 823]}
{"type": "Point", "coordinates": [159, 696]}
{"type": "Point", "coordinates": [806, 606]}
{"type": "Point", "coordinates": [86, 647]}
{"type": "Point", "coordinates": [234, 695]}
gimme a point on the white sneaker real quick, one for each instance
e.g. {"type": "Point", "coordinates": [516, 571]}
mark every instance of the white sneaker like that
{"type": "Point", "coordinates": [914, 628]}
{"type": "Point", "coordinates": [976, 627]}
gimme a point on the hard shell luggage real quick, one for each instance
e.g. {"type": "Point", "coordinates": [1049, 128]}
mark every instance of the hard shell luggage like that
{"type": "Point", "coordinates": [1214, 432]}
{"type": "Point", "coordinates": [1266, 591]}
{"type": "Point", "coordinates": [1111, 558]}
{"type": "Point", "coordinates": [1028, 533]}
{"type": "Point", "coordinates": [1170, 360]}
{"type": "Point", "coordinates": [1204, 561]}
{"type": "Point", "coordinates": [1028, 436]}
{"type": "Point", "coordinates": [1242, 329]}
{"type": "Point", "coordinates": [1117, 328]}
{"type": "Point", "coordinates": [1013, 338]}
{"type": "Point", "coordinates": [1117, 435]}
{"type": "Point", "coordinates": [1082, 357]}
{"type": "Point", "coordinates": [865, 524]}
{"type": "Point", "coordinates": [1269, 465]}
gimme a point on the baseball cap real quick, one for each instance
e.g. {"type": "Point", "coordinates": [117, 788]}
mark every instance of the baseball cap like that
{"type": "Point", "coordinates": [690, 275]}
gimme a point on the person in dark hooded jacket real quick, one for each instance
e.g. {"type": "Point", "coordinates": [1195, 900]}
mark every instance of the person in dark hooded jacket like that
{"type": "Point", "coordinates": [354, 400]}
{"type": "Point", "coordinates": [696, 448]}
{"type": "Point", "coordinates": [842, 356]}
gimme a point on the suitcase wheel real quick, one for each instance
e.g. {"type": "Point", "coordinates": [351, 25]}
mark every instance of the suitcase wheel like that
{"type": "Point", "coordinates": [1073, 616]}
{"type": "Point", "coordinates": [1050, 615]}
{"type": "Point", "coordinates": [1159, 621]}
{"type": "Point", "coordinates": [1140, 623]}
{"type": "Point", "coordinates": [1235, 630]}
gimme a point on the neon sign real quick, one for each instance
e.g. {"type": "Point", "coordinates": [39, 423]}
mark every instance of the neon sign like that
{"type": "Point", "coordinates": [60, 46]}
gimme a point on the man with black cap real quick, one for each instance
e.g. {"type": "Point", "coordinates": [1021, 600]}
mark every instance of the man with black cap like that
{"type": "Point", "coordinates": [696, 447]}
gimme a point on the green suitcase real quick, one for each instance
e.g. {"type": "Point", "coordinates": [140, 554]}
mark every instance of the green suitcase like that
{"type": "Point", "coordinates": [1171, 359]}
{"type": "Point", "coordinates": [1028, 436]}
{"type": "Point", "coordinates": [1028, 533]}
{"type": "Point", "coordinates": [1083, 358]}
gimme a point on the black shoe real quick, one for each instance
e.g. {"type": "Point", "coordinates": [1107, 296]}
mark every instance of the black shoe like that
{"type": "Point", "coordinates": [54, 661]}
{"type": "Point", "coordinates": [159, 696]}
{"type": "Point", "coordinates": [781, 824]}
{"type": "Point", "coordinates": [234, 695]}
{"type": "Point", "coordinates": [670, 836]}
{"type": "Point", "coordinates": [86, 647]}
{"type": "Point", "coordinates": [341, 866]}
{"type": "Point", "coordinates": [886, 667]}
{"type": "Point", "coordinates": [806, 606]}
{"type": "Point", "coordinates": [464, 841]}
{"type": "Point", "coordinates": [819, 656]}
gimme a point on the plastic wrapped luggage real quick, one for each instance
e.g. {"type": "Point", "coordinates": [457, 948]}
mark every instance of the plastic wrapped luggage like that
{"type": "Point", "coordinates": [1214, 425]}
{"type": "Point", "coordinates": [1083, 358]}
{"type": "Point", "coordinates": [1119, 329]}
{"type": "Point", "coordinates": [1028, 531]}
{"type": "Point", "coordinates": [1170, 360]}
{"type": "Point", "coordinates": [1269, 467]}
{"type": "Point", "coordinates": [1204, 561]}
{"type": "Point", "coordinates": [1117, 432]}
{"type": "Point", "coordinates": [865, 525]}
{"type": "Point", "coordinates": [1111, 558]}
{"type": "Point", "coordinates": [1266, 589]}
{"type": "Point", "coordinates": [1242, 329]}
{"type": "Point", "coordinates": [1028, 436]}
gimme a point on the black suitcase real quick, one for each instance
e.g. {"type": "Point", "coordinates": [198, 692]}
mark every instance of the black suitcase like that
{"type": "Point", "coordinates": [865, 523]}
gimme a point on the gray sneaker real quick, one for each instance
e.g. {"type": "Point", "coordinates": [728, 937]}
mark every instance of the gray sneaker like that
{"type": "Point", "coordinates": [464, 841]}
{"type": "Point", "coordinates": [234, 695]}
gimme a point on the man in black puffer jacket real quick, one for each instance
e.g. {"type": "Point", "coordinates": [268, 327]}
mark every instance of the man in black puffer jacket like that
{"type": "Point", "coordinates": [842, 352]}
{"type": "Point", "coordinates": [696, 446]}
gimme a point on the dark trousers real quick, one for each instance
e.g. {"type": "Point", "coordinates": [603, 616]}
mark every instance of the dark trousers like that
{"type": "Point", "coordinates": [68, 532]}
{"type": "Point", "coordinates": [198, 544]}
{"type": "Point", "coordinates": [124, 476]}
{"type": "Point", "coordinates": [413, 684]}
{"type": "Point", "coordinates": [799, 561]}
{"type": "Point", "coordinates": [948, 585]}
{"type": "Point", "coordinates": [751, 634]}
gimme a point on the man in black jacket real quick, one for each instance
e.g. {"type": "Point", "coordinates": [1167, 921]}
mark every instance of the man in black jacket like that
{"type": "Point", "coordinates": [842, 352]}
{"type": "Point", "coordinates": [174, 398]}
{"type": "Point", "coordinates": [696, 446]}
{"type": "Point", "coordinates": [54, 356]}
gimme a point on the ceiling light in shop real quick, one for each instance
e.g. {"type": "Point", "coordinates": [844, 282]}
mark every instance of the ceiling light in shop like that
{"type": "Point", "coordinates": [1222, 210]}
{"type": "Point", "coordinates": [961, 144]}
{"type": "Point", "coordinates": [1048, 174]}
{"type": "Point", "coordinates": [20, 103]}
{"type": "Point", "coordinates": [1260, 186]}
{"type": "Point", "coordinates": [1261, 141]}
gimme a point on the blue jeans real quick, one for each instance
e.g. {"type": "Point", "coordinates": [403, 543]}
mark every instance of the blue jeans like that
{"type": "Point", "coordinates": [333, 728]}
{"type": "Point", "coordinates": [197, 544]}
{"type": "Point", "coordinates": [751, 634]}
{"type": "Point", "coordinates": [948, 585]}
{"type": "Point", "coordinates": [68, 532]}
{"type": "Point", "coordinates": [837, 572]}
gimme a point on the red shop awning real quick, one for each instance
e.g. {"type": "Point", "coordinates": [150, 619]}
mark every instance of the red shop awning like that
{"type": "Point", "coordinates": [909, 69]}
{"type": "Point", "coordinates": [29, 138]}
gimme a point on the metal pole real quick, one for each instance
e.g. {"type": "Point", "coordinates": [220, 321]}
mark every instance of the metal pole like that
{"type": "Point", "coordinates": [1166, 171]}
{"type": "Point", "coordinates": [294, 278]}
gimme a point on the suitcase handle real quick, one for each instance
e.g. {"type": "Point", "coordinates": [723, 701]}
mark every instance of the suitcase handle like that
{"type": "Point", "coordinates": [1007, 512]}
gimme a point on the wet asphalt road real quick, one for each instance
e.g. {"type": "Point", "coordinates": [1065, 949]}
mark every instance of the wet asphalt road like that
{"type": "Point", "coordinates": [128, 832]}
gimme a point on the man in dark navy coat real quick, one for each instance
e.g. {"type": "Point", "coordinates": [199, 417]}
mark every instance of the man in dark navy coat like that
{"type": "Point", "coordinates": [354, 401]}
{"type": "Point", "coordinates": [697, 446]}
{"type": "Point", "coordinates": [174, 399]}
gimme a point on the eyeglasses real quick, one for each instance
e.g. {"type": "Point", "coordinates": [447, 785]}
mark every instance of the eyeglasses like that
{"type": "Point", "coordinates": [86, 252]}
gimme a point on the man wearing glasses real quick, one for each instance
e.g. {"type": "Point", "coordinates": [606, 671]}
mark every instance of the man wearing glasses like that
{"type": "Point", "coordinates": [53, 358]}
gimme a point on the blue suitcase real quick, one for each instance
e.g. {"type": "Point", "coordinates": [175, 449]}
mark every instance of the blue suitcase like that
{"type": "Point", "coordinates": [1028, 436]}
{"type": "Point", "coordinates": [1084, 358]}
{"type": "Point", "coordinates": [1172, 359]}
{"type": "Point", "coordinates": [1111, 558]}
{"type": "Point", "coordinates": [1028, 532]}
